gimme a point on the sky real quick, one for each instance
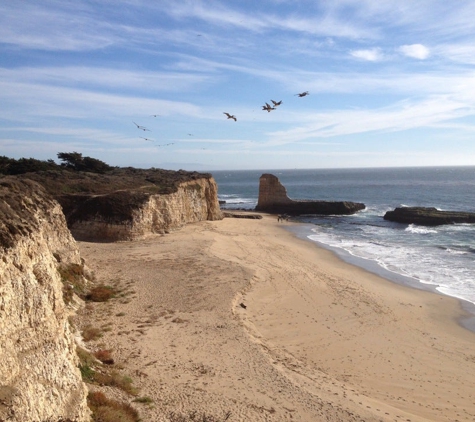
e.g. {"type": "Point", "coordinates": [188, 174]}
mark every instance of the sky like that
{"type": "Point", "coordinates": [146, 83]}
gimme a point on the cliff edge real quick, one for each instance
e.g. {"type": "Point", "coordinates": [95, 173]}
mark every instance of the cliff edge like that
{"type": "Point", "coordinates": [39, 375]}
{"type": "Point", "coordinates": [273, 199]}
{"type": "Point", "coordinates": [128, 203]}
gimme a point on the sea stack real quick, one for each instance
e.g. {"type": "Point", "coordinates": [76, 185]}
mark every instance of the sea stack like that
{"type": "Point", "coordinates": [273, 199]}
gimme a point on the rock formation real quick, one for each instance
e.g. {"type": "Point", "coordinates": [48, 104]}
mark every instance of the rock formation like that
{"type": "Point", "coordinates": [273, 199]}
{"type": "Point", "coordinates": [126, 215]}
{"type": "Point", "coordinates": [428, 216]}
{"type": "Point", "coordinates": [39, 376]}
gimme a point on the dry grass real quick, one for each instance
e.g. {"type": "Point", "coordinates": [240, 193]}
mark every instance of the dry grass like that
{"type": "Point", "coordinates": [100, 293]}
{"type": "Point", "coordinates": [115, 379]}
{"type": "Point", "coordinates": [74, 281]}
{"type": "Point", "coordinates": [197, 417]}
{"type": "Point", "coordinates": [107, 410]}
{"type": "Point", "coordinates": [90, 333]}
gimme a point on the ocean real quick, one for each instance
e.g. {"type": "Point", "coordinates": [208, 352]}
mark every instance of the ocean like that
{"type": "Point", "coordinates": [440, 258]}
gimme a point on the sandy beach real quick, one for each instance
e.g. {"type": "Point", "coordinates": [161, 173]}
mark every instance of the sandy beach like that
{"type": "Point", "coordinates": [241, 316]}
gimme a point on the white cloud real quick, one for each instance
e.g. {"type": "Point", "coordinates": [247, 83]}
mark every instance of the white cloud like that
{"type": "Point", "coordinates": [416, 51]}
{"type": "Point", "coordinates": [371, 55]}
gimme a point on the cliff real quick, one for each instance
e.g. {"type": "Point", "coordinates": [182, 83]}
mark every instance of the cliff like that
{"type": "Point", "coordinates": [126, 215]}
{"type": "Point", "coordinates": [127, 203]}
{"type": "Point", "coordinates": [39, 375]}
{"type": "Point", "coordinates": [428, 216]}
{"type": "Point", "coordinates": [273, 199]}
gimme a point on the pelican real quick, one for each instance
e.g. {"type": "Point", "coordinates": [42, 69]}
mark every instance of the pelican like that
{"type": "Point", "coordinates": [147, 139]}
{"type": "Point", "coordinates": [141, 127]}
{"type": "Point", "coordinates": [230, 116]}
{"type": "Point", "coordinates": [303, 94]}
{"type": "Point", "coordinates": [268, 108]}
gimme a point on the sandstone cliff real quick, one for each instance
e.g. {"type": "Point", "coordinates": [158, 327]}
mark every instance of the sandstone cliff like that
{"type": "Point", "coordinates": [126, 215]}
{"type": "Point", "coordinates": [39, 376]}
{"type": "Point", "coordinates": [273, 199]}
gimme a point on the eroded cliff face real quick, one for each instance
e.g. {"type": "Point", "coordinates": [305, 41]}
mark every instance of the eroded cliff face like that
{"type": "Point", "coordinates": [39, 375]}
{"type": "Point", "coordinates": [194, 201]}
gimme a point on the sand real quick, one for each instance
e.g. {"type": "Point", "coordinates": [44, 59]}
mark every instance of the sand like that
{"type": "Point", "coordinates": [316, 340]}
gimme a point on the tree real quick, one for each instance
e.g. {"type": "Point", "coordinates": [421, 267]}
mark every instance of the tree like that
{"type": "Point", "coordinates": [75, 161]}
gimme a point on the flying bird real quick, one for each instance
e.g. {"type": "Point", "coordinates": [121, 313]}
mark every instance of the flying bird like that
{"type": "Point", "coordinates": [141, 127]}
{"type": "Point", "coordinates": [154, 115]}
{"type": "Point", "coordinates": [230, 116]}
{"type": "Point", "coordinates": [276, 103]}
{"type": "Point", "coordinates": [303, 94]}
{"type": "Point", "coordinates": [165, 145]}
{"type": "Point", "coordinates": [147, 139]}
{"type": "Point", "coordinates": [268, 108]}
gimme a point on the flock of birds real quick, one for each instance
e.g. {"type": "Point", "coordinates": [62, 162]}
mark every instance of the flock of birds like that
{"type": "Point", "coordinates": [267, 107]}
{"type": "Point", "coordinates": [148, 130]}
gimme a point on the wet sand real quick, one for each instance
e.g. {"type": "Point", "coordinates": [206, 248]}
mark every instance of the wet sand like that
{"type": "Point", "coordinates": [242, 316]}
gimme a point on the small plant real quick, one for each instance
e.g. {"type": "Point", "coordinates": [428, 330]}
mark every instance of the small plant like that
{"type": "Point", "coordinates": [100, 293]}
{"type": "Point", "coordinates": [107, 410]}
{"type": "Point", "coordinates": [91, 333]}
{"type": "Point", "coordinates": [74, 281]}
{"type": "Point", "coordinates": [115, 379]}
{"type": "Point", "coordinates": [145, 400]}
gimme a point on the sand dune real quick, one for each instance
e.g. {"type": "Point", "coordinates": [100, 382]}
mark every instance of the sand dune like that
{"type": "Point", "coordinates": [318, 340]}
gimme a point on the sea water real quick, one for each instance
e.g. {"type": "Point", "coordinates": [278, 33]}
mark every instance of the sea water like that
{"type": "Point", "coordinates": [441, 257]}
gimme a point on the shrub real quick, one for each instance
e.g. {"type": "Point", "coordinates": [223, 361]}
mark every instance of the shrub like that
{"type": "Point", "coordinates": [104, 356]}
{"type": "Point", "coordinates": [91, 333]}
{"type": "Point", "coordinates": [100, 293]}
{"type": "Point", "coordinates": [107, 410]}
{"type": "Point", "coordinates": [115, 379]}
{"type": "Point", "coordinates": [73, 279]}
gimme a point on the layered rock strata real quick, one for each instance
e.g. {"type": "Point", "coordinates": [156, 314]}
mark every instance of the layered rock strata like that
{"type": "Point", "coordinates": [273, 199]}
{"type": "Point", "coordinates": [39, 375]}
{"type": "Point", "coordinates": [127, 215]}
{"type": "Point", "coordinates": [428, 216]}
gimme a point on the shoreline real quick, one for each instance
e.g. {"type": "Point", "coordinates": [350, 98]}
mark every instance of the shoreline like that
{"type": "Point", "coordinates": [467, 321]}
{"type": "Point", "coordinates": [242, 316]}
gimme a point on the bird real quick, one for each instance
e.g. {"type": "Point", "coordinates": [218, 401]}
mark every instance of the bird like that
{"type": "Point", "coordinates": [154, 115]}
{"type": "Point", "coordinates": [141, 127]}
{"type": "Point", "coordinates": [165, 145]}
{"type": "Point", "coordinates": [268, 108]}
{"type": "Point", "coordinates": [230, 116]}
{"type": "Point", "coordinates": [147, 139]}
{"type": "Point", "coordinates": [303, 94]}
{"type": "Point", "coordinates": [242, 305]}
{"type": "Point", "coordinates": [276, 103]}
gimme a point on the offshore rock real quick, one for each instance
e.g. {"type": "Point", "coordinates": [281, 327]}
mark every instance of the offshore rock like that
{"type": "Point", "coordinates": [428, 216]}
{"type": "Point", "coordinates": [273, 199]}
{"type": "Point", "coordinates": [39, 375]}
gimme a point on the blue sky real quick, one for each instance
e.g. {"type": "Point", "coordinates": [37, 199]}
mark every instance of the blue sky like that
{"type": "Point", "coordinates": [391, 83]}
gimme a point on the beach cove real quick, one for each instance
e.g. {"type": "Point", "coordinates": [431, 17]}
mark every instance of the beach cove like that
{"type": "Point", "coordinates": [242, 316]}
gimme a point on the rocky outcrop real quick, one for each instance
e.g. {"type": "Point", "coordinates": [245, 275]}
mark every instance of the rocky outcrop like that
{"type": "Point", "coordinates": [39, 375]}
{"type": "Point", "coordinates": [428, 216]}
{"type": "Point", "coordinates": [273, 199]}
{"type": "Point", "coordinates": [131, 214]}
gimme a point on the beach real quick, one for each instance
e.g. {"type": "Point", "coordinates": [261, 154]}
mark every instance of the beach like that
{"type": "Point", "coordinates": [241, 319]}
